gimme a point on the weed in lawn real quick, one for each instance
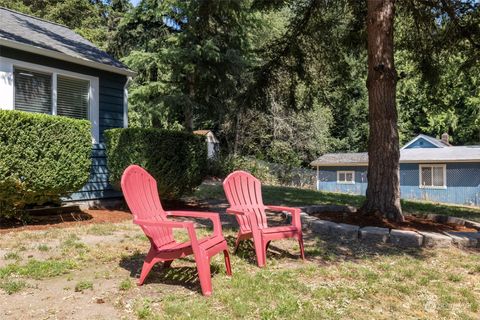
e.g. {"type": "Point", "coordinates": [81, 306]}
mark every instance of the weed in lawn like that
{"type": "Point", "coordinates": [102, 229]}
{"type": "Point", "coordinates": [126, 284]}
{"type": "Point", "coordinates": [12, 256]}
{"type": "Point", "coordinates": [43, 247]}
{"type": "Point", "coordinates": [144, 311]}
{"type": "Point", "coordinates": [455, 277]}
{"type": "Point", "coordinates": [12, 286]}
{"type": "Point", "coordinates": [36, 269]}
{"type": "Point", "coordinates": [83, 285]}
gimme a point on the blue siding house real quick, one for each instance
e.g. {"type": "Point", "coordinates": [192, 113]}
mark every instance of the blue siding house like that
{"type": "Point", "coordinates": [430, 169]}
{"type": "Point", "coordinates": [46, 67]}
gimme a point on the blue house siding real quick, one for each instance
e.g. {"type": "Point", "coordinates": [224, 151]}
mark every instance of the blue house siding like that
{"type": "Point", "coordinates": [111, 99]}
{"type": "Point", "coordinates": [327, 180]}
{"type": "Point", "coordinates": [463, 183]}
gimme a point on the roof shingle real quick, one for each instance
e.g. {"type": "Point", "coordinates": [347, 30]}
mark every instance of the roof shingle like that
{"type": "Point", "coordinates": [25, 29]}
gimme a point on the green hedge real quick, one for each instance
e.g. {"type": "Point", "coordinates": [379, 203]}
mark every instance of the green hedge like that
{"type": "Point", "coordinates": [177, 160]}
{"type": "Point", "coordinates": [42, 158]}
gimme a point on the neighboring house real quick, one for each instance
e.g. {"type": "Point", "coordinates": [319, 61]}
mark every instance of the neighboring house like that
{"type": "Point", "coordinates": [212, 142]}
{"type": "Point", "coordinates": [46, 67]}
{"type": "Point", "coordinates": [430, 169]}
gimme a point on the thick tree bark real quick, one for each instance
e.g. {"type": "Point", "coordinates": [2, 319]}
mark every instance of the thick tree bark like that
{"type": "Point", "coordinates": [383, 191]}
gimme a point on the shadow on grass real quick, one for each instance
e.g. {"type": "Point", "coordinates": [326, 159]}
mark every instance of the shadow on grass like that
{"type": "Point", "coordinates": [185, 276]}
{"type": "Point", "coordinates": [331, 250]}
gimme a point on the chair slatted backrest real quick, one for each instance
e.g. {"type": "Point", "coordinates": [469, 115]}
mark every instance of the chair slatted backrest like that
{"type": "Point", "coordinates": [141, 193]}
{"type": "Point", "coordinates": [244, 193]}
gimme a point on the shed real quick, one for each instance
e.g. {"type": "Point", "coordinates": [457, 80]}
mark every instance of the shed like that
{"type": "Point", "coordinates": [212, 142]}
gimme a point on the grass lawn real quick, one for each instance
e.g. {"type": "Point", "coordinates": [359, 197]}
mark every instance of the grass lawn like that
{"type": "Point", "coordinates": [301, 197]}
{"type": "Point", "coordinates": [89, 272]}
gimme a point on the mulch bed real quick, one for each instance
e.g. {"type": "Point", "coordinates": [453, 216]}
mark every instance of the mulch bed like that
{"type": "Point", "coordinates": [411, 223]}
{"type": "Point", "coordinates": [65, 220]}
{"type": "Point", "coordinates": [75, 217]}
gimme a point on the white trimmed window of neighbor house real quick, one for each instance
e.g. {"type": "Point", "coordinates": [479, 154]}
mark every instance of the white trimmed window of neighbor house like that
{"type": "Point", "coordinates": [433, 176]}
{"type": "Point", "coordinates": [36, 88]}
{"type": "Point", "coordinates": [346, 177]}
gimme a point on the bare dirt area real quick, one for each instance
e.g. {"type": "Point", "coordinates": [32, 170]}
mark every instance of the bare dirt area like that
{"type": "Point", "coordinates": [412, 223]}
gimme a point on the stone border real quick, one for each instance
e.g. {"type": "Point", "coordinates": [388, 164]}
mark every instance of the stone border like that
{"type": "Point", "coordinates": [400, 238]}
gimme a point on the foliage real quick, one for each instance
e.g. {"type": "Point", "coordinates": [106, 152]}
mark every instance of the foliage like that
{"type": "Point", "coordinates": [177, 160]}
{"type": "Point", "coordinates": [42, 158]}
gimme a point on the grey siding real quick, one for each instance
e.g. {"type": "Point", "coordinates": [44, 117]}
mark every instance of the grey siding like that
{"type": "Point", "coordinates": [110, 116]}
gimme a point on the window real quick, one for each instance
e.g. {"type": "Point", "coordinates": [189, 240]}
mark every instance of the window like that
{"type": "Point", "coordinates": [433, 176]}
{"type": "Point", "coordinates": [33, 91]}
{"type": "Point", "coordinates": [72, 97]}
{"type": "Point", "coordinates": [51, 93]}
{"type": "Point", "coordinates": [346, 177]}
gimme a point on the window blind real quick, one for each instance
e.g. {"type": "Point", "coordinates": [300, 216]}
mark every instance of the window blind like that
{"type": "Point", "coordinates": [72, 97]}
{"type": "Point", "coordinates": [33, 91]}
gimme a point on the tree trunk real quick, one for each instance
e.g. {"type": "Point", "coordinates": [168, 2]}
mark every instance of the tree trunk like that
{"type": "Point", "coordinates": [188, 107]}
{"type": "Point", "coordinates": [383, 191]}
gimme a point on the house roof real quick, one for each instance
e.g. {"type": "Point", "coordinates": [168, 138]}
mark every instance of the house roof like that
{"type": "Point", "coordinates": [28, 33]}
{"type": "Point", "coordinates": [444, 153]}
{"type": "Point", "coordinates": [436, 142]}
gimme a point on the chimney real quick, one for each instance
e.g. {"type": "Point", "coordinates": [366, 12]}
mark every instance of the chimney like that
{"type": "Point", "coordinates": [445, 138]}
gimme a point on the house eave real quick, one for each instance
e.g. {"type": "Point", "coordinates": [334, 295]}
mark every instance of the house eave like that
{"type": "Point", "coordinates": [363, 164]}
{"type": "Point", "coordinates": [65, 57]}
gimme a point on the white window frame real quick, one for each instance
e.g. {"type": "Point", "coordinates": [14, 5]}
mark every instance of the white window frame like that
{"type": "Point", "coordinates": [433, 165]}
{"type": "Point", "coordinates": [7, 89]}
{"type": "Point", "coordinates": [345, 172]}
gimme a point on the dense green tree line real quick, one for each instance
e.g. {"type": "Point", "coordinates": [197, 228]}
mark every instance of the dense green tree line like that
{"type": "Point", "coordinates": [283, 81]}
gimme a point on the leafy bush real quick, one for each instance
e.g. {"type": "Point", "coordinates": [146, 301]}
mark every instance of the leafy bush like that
{"type": "Point", "coordinates": [42, 158]}
{"type": "Point", "coordinates": [177, 160]}
{"type": "Point", "coordinates": [223, 165]}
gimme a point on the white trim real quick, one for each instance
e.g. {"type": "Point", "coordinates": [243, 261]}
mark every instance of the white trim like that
{"type": "Point", "coordinates": [54, 92]}
{"type": "Point", "coordinates": [65, 57]}
{"type": "Point", "coordinates": [93, 108]}
{"type": "Point", "coordinates": [340, 164]}
{"type": "Point", "coordinates": [345, 172]}
{"type": "Point", "coordinates": [435, 142]}
{"type": "Point", "coordinates": [7, 94]}
{"type": "Point", "coordinates": [432, 165]}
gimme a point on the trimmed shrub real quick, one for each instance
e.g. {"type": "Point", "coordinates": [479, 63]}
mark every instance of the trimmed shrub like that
{"type": "Point", "coordinates": [222, 166]}
{"type": "Point", "coordinates": [177, 160]}
{"type": "Point", "coordinates": [42, 158]}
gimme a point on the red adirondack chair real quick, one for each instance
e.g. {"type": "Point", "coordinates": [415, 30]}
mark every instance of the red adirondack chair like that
{"type": "Point", "coordinates": [244, 194]}
{"type": "Point", "coordinates": [140, 191]}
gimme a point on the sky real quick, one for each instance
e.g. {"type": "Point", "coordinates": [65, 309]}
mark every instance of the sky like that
{"type": "Point", "coordinates": [134, 2]}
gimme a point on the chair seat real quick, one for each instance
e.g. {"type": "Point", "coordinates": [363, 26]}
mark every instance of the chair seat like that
{"type": "Point", "coordinates": [205, 243]}
{"type": "Point", "coordinates": [280, 229]}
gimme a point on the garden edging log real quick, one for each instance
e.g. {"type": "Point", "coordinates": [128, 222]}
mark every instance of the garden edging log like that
{"type": "Point", "coordinates": [396, 237]}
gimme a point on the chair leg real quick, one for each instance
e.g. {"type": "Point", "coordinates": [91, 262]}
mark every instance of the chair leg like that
{"type": "Point", "coordinates": [227, 262]}
{"type": "Point", "coordinates": [300, 242]}
{"type": "Point", "coordinates": [237, 243]}
{"type": "Point", "coordinates": [260, 252]}
{"type": "Point", "coordinates": [148, 264]}
{"type": "Point", "coordinates": [203, 268]}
